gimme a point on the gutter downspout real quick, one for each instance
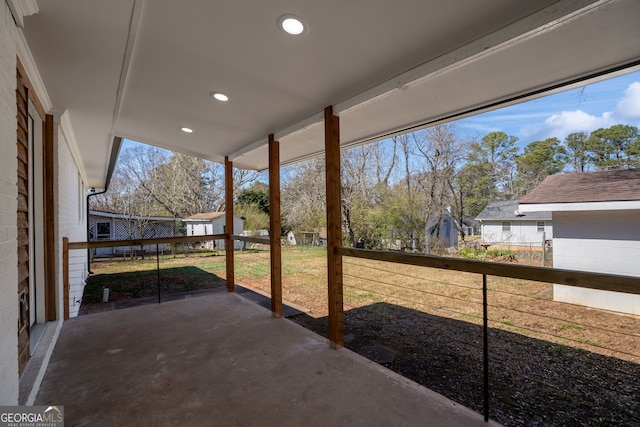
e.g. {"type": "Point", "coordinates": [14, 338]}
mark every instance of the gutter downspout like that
{"type": "Point", "coordinates": [115, 151]}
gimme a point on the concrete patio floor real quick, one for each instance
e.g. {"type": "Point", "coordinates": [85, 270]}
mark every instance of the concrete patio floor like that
{"type": "Point", "coordinates": [221, 360]}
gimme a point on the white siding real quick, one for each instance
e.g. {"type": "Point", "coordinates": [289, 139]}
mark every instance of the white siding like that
{"type": "Point", "coordinates": [71, 219]}
{"type": "Point", "coordinates": [605, 242]}
{"type": "Point", "coordinates": [8, 216]}
{"type": "Point", "coordinates": [201, 228]}
{"type": "Point", "coordinates": [522, 232]}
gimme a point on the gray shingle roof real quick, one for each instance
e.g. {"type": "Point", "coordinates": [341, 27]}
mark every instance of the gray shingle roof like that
{"type": "Point", "coordinates": [506, 210]}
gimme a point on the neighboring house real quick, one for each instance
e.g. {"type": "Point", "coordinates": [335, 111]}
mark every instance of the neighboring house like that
{"type": "Point", "coordinates": [203, 224]}
{"type": "Point", "coordinates": [443, 230]}
{"type": "Point", "coordinates": [502, 223]}
{"type": "Point", "coordinates": [112, 226]}
{"type": "Point", "coordinates": [470, 227]}
{"type": "Point", "coordinates": [596, 220]}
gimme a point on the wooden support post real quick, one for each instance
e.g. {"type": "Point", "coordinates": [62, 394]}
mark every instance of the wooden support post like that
{"type": "Point", "coordinates": [49, 223]}
{"type": "Point", "coordinates": [65, 276]}
{"type": "Point", "coordinates": [228, 202]}
{"type": "Point", "coordinates": [275, 227]}
{"type": "Point", "coordinates": [334, 226]}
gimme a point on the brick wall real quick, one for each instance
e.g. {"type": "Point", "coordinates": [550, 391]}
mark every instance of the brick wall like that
{"type": "Point", "coordinates": [71, 218]}
{"type": "Point", "coordinates": [8, 207]}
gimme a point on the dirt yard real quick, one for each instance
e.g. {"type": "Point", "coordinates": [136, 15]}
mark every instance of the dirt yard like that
{"type": "Point", "coordinates": [550, 363]}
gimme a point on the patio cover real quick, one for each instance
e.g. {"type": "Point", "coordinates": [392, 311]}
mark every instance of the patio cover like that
{"type": "Point", "coordinates": [142, 69]}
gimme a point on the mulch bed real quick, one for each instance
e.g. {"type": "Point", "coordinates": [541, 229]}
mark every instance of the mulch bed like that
{"type": "Point", "coordinates": [532, 382]}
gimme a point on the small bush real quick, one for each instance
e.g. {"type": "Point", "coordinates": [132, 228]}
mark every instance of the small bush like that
{"type": "Point", "coordinates": [472, 253]}
{"type": "Point", "coordinates": [499, 252]}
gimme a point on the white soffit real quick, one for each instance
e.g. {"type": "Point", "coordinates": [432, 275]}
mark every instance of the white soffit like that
{"type": "Point", "coordinates": [143, 69]}
{"type": "Point", "coordinates": [554, 52]}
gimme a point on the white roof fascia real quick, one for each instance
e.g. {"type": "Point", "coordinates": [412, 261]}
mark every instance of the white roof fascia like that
{"type": "Point", "coordinates": [582, 206]}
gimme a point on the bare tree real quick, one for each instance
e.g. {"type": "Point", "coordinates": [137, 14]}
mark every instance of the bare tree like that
{"type": "Point", "coordinates": [303, 195]}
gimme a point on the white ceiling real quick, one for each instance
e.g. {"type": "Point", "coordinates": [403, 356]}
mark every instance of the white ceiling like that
{"type": "Point", "coordinates": [143, 69]}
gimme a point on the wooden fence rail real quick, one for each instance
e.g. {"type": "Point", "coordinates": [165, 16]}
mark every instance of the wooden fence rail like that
{"type": "Point", "coordinates": [144, 242]}
{"type": "Point", "coordinates": [600, 281]}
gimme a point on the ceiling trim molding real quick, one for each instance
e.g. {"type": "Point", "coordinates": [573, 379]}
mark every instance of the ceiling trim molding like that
{"type": "Point", "coordinates": [134, 26]}
{"type": "Point", "coordinates": [29, 64]}
{"type": "Point", "coordinates": [21, 8]}
{"type": "Point", "coordinates": [66, 127]}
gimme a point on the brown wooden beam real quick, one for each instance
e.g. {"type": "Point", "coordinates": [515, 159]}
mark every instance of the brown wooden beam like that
{"type": "Point", "coordinates": [228, 202]}
{"type": "Point", "coordinates": [155, 241]}
{"type": "Point", "coordinates": [65, 276]}
{"type": "Point", "coordinates": [334, 227]}
{"type": "Point", "coordinates": [275, 227]}
{"type": "Point", "coordinates": [49, 220]}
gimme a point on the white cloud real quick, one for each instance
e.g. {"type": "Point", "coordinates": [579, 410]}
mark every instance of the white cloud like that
{"type": "Point", "coordinates": [561, 125]}
{"type": "Point", "coordinates": [629, 106]}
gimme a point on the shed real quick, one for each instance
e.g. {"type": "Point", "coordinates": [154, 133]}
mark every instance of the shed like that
{"type": "Point", "coordinates": [502, 223]}
{"type": "Point", "coordinates": [596, 220]}
{"type": "Point", "coordinates": [208, 223]}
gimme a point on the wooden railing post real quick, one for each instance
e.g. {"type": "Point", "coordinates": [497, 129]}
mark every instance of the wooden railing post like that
{"type": "Point", "coordinates": [228, 201]}
{"type": "Point", "coordinates": [275, 227]}
{"type": "Point", "coordinates": [334, 227]}
{"type": "Point", "coordinates": [65, 276]}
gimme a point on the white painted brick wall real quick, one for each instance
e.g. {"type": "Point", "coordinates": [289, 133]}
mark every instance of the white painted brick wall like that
{"type": "Point", "coordinates": [604, 242]}
{"type": "Point", "coordinates": [8, 216]}
{"type": "Point", "coordinates": [71, 216]}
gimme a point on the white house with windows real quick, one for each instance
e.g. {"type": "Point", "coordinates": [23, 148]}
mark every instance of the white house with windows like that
{"type": "Point", "coordinates": [203, 224]}
{"type": "Point", "coordinates": [596, 216]}
{"type": "Point", "coordinates": [502, 223]}
{"type": "Point", "coordinates": [116, 226]}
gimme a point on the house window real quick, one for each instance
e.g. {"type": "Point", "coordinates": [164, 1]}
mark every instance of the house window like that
{"type": "Point", "coordinates": [103, 231]}
{"type": "Point", "coordinates": [540, 226]}
{"type": "Point", "coordinates": [506, 225]}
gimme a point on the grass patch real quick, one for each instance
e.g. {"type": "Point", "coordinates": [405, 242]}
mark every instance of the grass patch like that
{"type": "Point", "coordinates": [571, 327]}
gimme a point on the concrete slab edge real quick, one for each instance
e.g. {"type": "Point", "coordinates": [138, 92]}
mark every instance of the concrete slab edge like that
{"type": "Point", "coordinates": [45, 363]}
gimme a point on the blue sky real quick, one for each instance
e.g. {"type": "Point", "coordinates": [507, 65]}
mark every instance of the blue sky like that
{"type": "Point", "coordinates": [601, 104]}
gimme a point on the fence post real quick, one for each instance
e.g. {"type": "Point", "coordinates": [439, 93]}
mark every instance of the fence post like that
{"type": "Point", "coordinates": [158, 269]}
{"type": "Point", "coordinates": [544, 248]}
{"type": "Point", "coordinates": [65, 276]}
{"type": "Point", "coordinates": [485, 348]}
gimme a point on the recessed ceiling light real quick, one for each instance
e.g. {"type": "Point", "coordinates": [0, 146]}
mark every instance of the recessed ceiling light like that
{"type": "Point", "coordinates": [220, 96]}
{"type": "Point", "coordinates": [187, 130]}
{"type": "Point", "coordinates": [291, 24]}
